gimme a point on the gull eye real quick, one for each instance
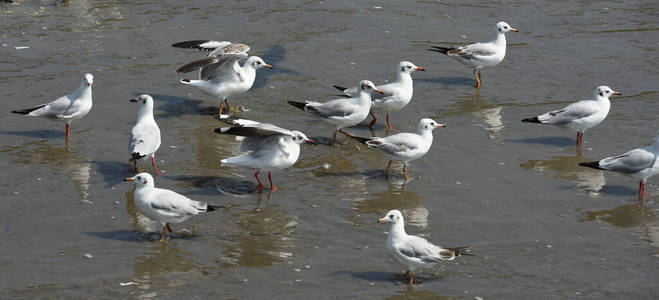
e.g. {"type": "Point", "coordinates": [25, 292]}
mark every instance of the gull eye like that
{"type": "Point", "coordinates": [139, 178]}
{"type": "Point", "coordinates": [391, 216]}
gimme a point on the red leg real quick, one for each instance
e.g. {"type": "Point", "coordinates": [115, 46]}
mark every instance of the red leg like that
{"type": "Point", "coordinates": [272, 187]}
{"type": "Point", "coordinates": [221, 106]}
{"type": "Point", "coordinates": [153, 162]}
{"type": "Point", "coordinates": [164, 233]}
{"type": "Point", "coordinates": [579, 141]}
{"type": "Point", "coordinates": [227, 104]}
{"type": "Point", "coordinates": [641, 191]}
{"type": "Point", "coordinates": [256, 175]}
{"type": "Point", "coordinates": [411, 278]}
{"type": "Point", "coordinates": [372, 120]}
{"type": "Point", "coordinates": [67, 132]}
{"type": "Point", "coordinates": [335, 132]}
{"type": "Point", "coordinates": [388, 124]}
{"type": "Point", "coordinates": [135, 167]}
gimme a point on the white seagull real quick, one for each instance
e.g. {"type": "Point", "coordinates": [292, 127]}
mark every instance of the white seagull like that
{"type": "Point", "coordinates": [579, 115]}
{"type": "Point", "coordinates": [220, 74]}
{"type": "Point", "coordinates": [412, 251]}
{"type": "Point", "coordinates": [404, 146]}
{"type": "Point", "coordinates": [344, 112]}
{"type": "Point", "coordinates": [639, 163]}
{"type": "Point", "coordinates": [67, 108]}
{"type": "Point", "coordinates": [396, 94]}
{"type": "Point", "coordinates": [144, 138]}
{"type": "Point", "coordinates": [480, 55]}
{"type": "Point", "coordinates": [264, 147]}
{"type": "Point", "coordinates": [164, 206]}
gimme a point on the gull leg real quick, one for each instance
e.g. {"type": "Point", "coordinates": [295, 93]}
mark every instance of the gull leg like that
{"type": "Point", "coordinates": [153, 162]}
{"type": "Point", "coordinates": [370, 124]}
{"type": "Point", "coordinates": [164, 233]}
{"type": "Point", "coordinates": [272, 187]}
{"type": "Point", "coordinates": [478, 80]}
{"type": "Point", "coordinates": [641, 191]}
{"type": "Point", "coordinates": [579, 141]}
{"type": "Point", "coordinates": [386, 170]}
{"type": "Point", "coordinates": [67, 132]}
{"type": "Point", "coordinates": [411, 278]}
{"type": "Point", "coordinates": [168, 228]}
{"type": "Point", "coordinates": [135, 166]}
{"type": "Point", "coordinates": [389, 124]}
{"type": "Point", "coordinates": [347, 133]}
{"type": "Point", "coordinates": [405, 172]}
{"type": "Point", "coordinates": [256, 175]}
{"type": "Point", "coordinates": [335, 132]}
{"type": "Point", "coordinates": [226, 101]}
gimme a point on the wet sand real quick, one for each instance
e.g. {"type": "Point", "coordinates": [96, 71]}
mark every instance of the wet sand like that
{"type": "Point", "coordinates": [540, 226]}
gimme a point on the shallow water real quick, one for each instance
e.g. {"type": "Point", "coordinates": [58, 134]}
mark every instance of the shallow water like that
{"type": "Point", "coordinates": [540, 225]}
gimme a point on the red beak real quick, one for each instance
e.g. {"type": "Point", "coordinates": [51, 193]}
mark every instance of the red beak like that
{"type": "Point", "coordinates": [420, 69]}
{"type": "Point", "coordinates": [310, 141]}
{"type": "Point", "coordinates": [133, 100]}
{"type": "Point", "coordinates": [617, 93]}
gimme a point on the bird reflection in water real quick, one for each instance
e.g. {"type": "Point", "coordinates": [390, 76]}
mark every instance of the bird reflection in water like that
{"type": "Point", "coordinates": [567, 167]}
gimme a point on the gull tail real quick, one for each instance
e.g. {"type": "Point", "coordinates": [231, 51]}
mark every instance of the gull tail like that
{"type": "Point", "coordinates": [190, 44]}
{"type": "Point", "coordinates": [236, 160]}
{"type": "Point", "coordinates": [591, 164]}
{"type": "Point", "coordinates": [532, 120]}
{"type": "Point", "coordinates": [442, 50]}
{"type": "Point", "coordinates": [135, 156]}
{"type": "Point", "coordinates": [300, 105]}
{"type": "Point", "coordinates": [27, 110]}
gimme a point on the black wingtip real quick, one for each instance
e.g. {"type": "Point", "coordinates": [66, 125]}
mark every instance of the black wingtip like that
{"type": "Point", "coordinates": [189, 44]}
{"type": "Point", "coordinates": [531, 120]}
{"type": "Point", "coordinates": [462, 251]}
{"type": "Point", "coordinates": [27, 110]}
{"type": "Point", "coordinates": [214, 207]}
{"type": "Point", "coordinates": [340, 88]}
{"type": "Point", "coordinates": [442, 50]}
{"type": "Point", "coordinates": [591, 164]}
{"type": "Point", "coordinates": [300, 105]}
{"type": "Point", "coordinates": [135, 156]}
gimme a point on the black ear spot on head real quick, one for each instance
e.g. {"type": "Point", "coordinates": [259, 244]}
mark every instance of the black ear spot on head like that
{"type": "Point", "coordinates": [144, 182]}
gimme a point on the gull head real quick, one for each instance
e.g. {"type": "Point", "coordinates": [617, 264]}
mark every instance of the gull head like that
{"type": "Point", "coordinates": [604, 92]}
{"type": "Point", "coordinates": [428, 125]}
{"type": "Point", "coordinates": [88, 80]}
{"type": "Point", "coordinates": [368, 86]}
{"type": "Point", "coordinates": [408, 67]}
{"type": "Point", "coordinates": [503, 27]}
{"type": "Point", "coordinates": [299, 137]}
{"type": "Point", "coordinates": [141, 180]}
{"type": "Point", "coordinates": [393, 216]}
{"type": "Point", "coordinates": [257, 63]}
{"type": "Point", "coordinates": [143, 99]}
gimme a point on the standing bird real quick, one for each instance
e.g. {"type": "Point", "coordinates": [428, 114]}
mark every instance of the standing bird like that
{"type": "Point", "coordinates": [412, 251]}
{"type": "Point", "coordinates": [480, 55]}
{"type": "Point", "coordinates": [579, 115]}
{"type": "Point", "coordinates": [639, 163]}
{"type": "Point", "coordinates": [67, 108]}
{"type": "Point", "coordinates": [220, 74]}
{"type": "Point", "coordinates": [164, 206]}
{"type": "Point", "coordinates": [404, 146]}
{"type": "Point", "coordinates": [144, 138]}
{"type": "Point", "coordinates": [265, 147]}
{"type": "Point", "coordinates": [396, 95]}
{"type": "Point", "coordinates": [344, 112]}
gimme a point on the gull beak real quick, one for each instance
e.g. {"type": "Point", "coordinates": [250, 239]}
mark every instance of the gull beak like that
{"type": "Point", "coordinates": [133, 100]}
{"type": "Point", "coordinates": [267, 66]}
{"type": "Point", "coordinates": [310, 141]}
{"type": "Point", "coordinates": [617, 93]}
{"type": "Point", "coordinates": [89, 84]}
{"type": "Point", "coordinates": [378, 91]}
{"type": "Point", "coordinates": [441, 125]}
{"type": "Point", "coordinates": [128, 179]}
{"type": "Point", "coordinates": [420, 69]}
{"type": "Point", "coordinates": [383, 220]}
{"type": "Point", "coordinates": [514, 30]}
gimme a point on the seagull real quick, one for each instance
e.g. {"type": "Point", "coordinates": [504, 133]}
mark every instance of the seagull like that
{"type": "Point", "coordinates": [579, 115]}
{"type": "Point", "coordinates": [480, 55]}
{"type": "Point", "coordinates": [396, 94]}
{"type": "Point", "coordinates": [404, 146]}
{"type": "Point", "coordinates": [264, 146]}
{"type": "Point", "coordinates": [67, 108]}
{"type": "Point", "coordinates": [412, 251]}
{"type": "Point", "coordinates": [640, 163]}
{"type": "Point", "coordinates": [144, 138]}
{"type": "Point", "coordinates": [344, 112]}
{"type": "Point", "coordinates": [220, 74]}
{"type": "Point", "coordinates": [164, 206]}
